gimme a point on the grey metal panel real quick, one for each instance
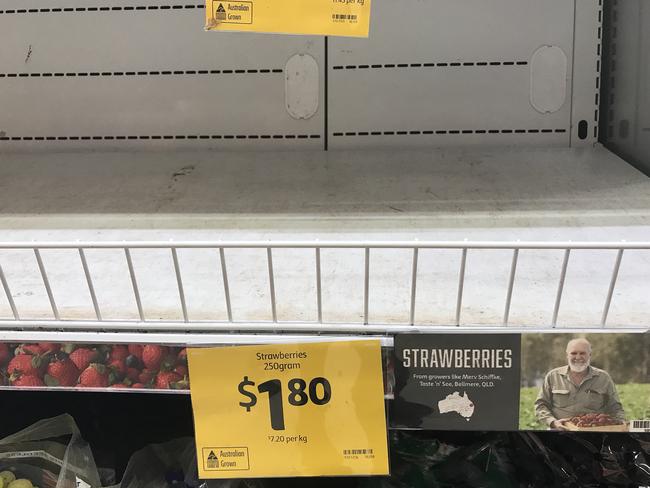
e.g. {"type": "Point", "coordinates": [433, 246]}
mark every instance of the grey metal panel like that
{"type": "Point", "coordinates": [456, 111]}
{"type": "Point", "coordinates": [446, 65]}
{"type": "Point", "coordinates": [626, 84]}
{"type": "Point", "coordinates": [219, 104]}
{"type": "Point", "coordinates": [448, 30]}
{"type": "Point", "coordinates": [137, 41]}
{"type": "Point", "coordinates": [587, 52]}
{"type": "Point", "coordinates": [144, 74]}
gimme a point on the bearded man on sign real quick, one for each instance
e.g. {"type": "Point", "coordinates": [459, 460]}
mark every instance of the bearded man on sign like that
{"type": "Point", "coordinates": [575, 389]}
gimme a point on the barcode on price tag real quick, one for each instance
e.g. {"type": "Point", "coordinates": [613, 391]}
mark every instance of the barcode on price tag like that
{"type": "Point", "coordinates": [640, 426]}
{"type": "Point", "coordinates": [344, 17]}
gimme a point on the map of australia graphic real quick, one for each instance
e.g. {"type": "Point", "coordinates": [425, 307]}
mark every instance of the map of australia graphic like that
{"type": "Point", "coordinates": [462, 405]}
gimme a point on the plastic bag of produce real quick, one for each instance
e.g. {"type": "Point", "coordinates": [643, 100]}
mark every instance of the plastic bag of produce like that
{"type": "Point", "coordinates": [48, 454]}
{"type": "Point", "coordinates": [172, 465]}
{"type": "Point", "coordinates": [512, 460]}
{"type": "Point", "coordinates": [168, 465]}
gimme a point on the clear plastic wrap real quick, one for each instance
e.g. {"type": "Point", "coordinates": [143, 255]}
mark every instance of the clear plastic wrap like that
{"type": "Point", "coordinates": [442, 460]}
{"type": "Point", "coordinates": [168, 465]}
{"type": "Point", "coordinates": [517, 459]}
{"type": "Point", "coordinates": [51, 454]}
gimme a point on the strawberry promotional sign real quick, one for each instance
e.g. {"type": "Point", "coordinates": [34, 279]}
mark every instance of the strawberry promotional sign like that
{"type": "Point", "coordinates": [125, 367]}
{"type": "Point", "coordinates": [457, 381]}
{"type": "Point", "coordinates": [289, 410]}
{"type": "Point", "coordinates": [533, 381]}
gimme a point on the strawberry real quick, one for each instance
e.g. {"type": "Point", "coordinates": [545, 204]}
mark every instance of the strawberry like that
{"type": "Point", "coordinates": [181, 370]}
{"type": "Point", "coordinates": [146, 376]}
{"type": "Point", "coordinates": [117, 371]}
{"type": "Point", "coordinates": [82, 357]}
{"type": "Point", "coordinates": [94, 376]}
{"type": "Point", "coordinates": [25, 364]}
{"type": "Point", "coordinates": [138, 386]}
{"type": "Point", "coordinates": [28, 380]}
{"type": "Point", "coordinates": [153, 355]}
{"type": "Point", "coordinates": [5, 354]}
{"type": "Point", "coordinates": [118, 366]}
{"type": "Point", "coordinates": [61, 372]}
{"type": "Point", "coordinates": [136, 350]}
{"type": "Point", "coordinates": [33, 349]}
{"type": "Point", "coordinates": [132, 374]}
{"type": "Point", "coordinates": [119, 352]}
{"type": "Point", "coordinates": [182, 357]}
{"type": "Point", "coordinates": [49, 347]}
{"type": "Point", "coordinates": [165, 379]}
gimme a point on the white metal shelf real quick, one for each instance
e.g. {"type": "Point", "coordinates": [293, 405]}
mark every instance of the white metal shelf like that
{"type": "Point", "coordinates": [371, 321]}
{"type": "Point", "coordinates": [538, 202]}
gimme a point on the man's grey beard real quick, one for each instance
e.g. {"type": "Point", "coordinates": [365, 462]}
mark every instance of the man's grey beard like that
{"type": "Point", "coordinates": [579, 368]}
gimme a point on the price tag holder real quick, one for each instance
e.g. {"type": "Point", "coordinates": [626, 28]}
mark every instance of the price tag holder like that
{"type": "Point", "coordinates": [314, 409]}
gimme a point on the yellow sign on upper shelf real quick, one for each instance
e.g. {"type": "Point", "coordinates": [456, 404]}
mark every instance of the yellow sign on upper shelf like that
{"type": "Point", "coordinates": [313, 17]}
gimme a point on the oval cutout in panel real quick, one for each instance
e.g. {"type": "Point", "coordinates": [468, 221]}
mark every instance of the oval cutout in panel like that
{"type": "Point", "coordinates": [301, 86]}
{"type": "Point", "coordinates": [583, 129]}
{"type": "Point", "coordinates": [548, 79]}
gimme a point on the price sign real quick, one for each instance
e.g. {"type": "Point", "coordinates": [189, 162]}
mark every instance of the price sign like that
{"type": "Point", "coordinates": [313, 17]}
{"type": "Point", "coordinates": [289, 410]}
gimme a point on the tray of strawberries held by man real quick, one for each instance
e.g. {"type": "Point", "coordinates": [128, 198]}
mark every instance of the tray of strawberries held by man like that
{"type": "Point", "coordinates": [596, 422]}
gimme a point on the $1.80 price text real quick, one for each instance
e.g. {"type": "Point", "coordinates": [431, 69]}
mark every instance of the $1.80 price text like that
{"type": "Point", "coordinates": [300, 393]}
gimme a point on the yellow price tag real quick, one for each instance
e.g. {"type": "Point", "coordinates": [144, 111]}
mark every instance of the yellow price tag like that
{"type": "Point", "coordinates": [289, 410]}
{"type": "Point", "coordinates": [315, 17]}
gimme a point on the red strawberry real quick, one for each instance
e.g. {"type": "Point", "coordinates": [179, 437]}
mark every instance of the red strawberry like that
{"type": "Point", "coordinates": [182, 356]}
{"type": "Point", "coordinates": [133, 374]}
{"type": "Point", "coordinates": [138, 386]}
{"type": "Point", "coordinates": [181, 370]}
{"type": "Point", "coordinates": [165, 379]}
{"type": "Point", "coordinates": [28, 380]}
{"type": "Point", "coordinates": [5, 354]}
{"type": "Point", "coordinates": [153, 355]}
{"type": "Point", "coordinates": [146, 376]}
{"type": "Point", "coordinates": [136, 350]}
{"type": "Point", "coordinates": [119, 352]}
{"type": "Point", "coordinates": [33, 349]}
{"type": "Point", "coordinates": [25, 364]}
{"type": "Point", "coordinates": [62, 372]}
{"type": "Point", "coordinates": [50, 347]}
{"type": "Point", "coordinates": [82, 357]}
{"type": "Point", "coordinates": [118, 366]}
{"type": "Point", "coordinates": [94, 376]}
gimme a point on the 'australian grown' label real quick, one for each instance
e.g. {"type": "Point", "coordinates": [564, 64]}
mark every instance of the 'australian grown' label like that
{"type": "Point", "coordinates": [457, 381]}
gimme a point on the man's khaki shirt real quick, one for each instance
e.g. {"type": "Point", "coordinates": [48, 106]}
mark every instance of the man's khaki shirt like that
{"type": "Point", "coordinates": [559, 398]}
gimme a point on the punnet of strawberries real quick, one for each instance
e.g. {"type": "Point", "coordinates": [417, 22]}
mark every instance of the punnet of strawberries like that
{"type": "Point", "coordinates": [594, 420]}
{"type": "Point", "coordinates": [132, 366]}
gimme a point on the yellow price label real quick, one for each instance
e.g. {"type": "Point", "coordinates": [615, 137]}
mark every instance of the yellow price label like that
{"type": "Point", "coordinates": [314, 17]}
{"type": "Point", "coordinates": [312, 409]}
